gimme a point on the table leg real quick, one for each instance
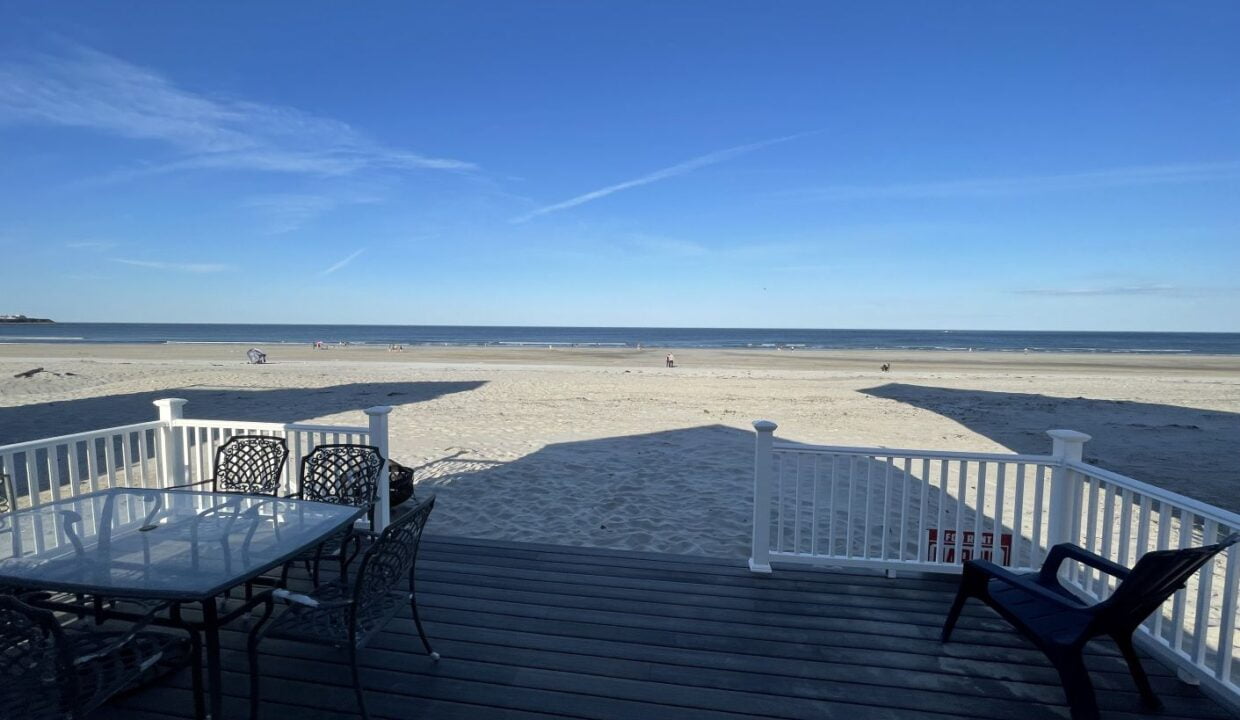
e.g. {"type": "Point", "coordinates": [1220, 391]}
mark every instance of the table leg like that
{"type": "Point", "coordinates": [211, 628]}
{"type": "Point", "coordinates": [200, 706]}
{"type": "Point", "coordinates": [195, 659]}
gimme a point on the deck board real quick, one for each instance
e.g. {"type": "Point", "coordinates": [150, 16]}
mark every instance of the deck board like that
{"type": "Point", "coordinates": [537, 631]}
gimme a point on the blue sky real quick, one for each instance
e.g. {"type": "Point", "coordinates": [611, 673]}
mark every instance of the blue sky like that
{"type": "Point", "coordinates": [978, 165]}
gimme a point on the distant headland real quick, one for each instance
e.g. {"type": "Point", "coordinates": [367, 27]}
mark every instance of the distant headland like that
{"type": "Point", "coordinates": [22, 319]}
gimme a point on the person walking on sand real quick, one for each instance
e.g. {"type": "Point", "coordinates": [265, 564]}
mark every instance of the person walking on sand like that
{"type": "Point", "coordinates": [671, 360]}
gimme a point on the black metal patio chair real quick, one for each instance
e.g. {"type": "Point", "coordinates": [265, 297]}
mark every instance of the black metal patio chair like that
{"type": "Point", "coordinates": [341, 474]}
{"type": "Point", "coordinates": [49, 671]}
{"type": "Point", "coordinates": [8, 503]}
{"type": "Point", "coordinates": [345, 614]}
{"type": "Point", "coordinates": [8, 497]}
{"type": "Point", "coordinates": [1060, 624]}
{"type": "Point", "coordinates": [249, 464]}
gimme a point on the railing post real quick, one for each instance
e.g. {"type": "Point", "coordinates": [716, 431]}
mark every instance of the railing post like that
{"type": "Point", "coordinates": [760, 548]}
{"type": "Point", "coordinates": [1066, 446]}
{"type": "Point", "coordinates": [379, 438]}
{"type": "Point", "coordinates": [171, 410]}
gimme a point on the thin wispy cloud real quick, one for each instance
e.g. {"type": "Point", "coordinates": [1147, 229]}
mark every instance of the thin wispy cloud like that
{"type": "Point", "coordinates": [1105, 291]}
{"type": "Point", "coordinates": [85, 88]}
{"type": "Point", "coordinates": [177, 267]}
{"type": "Point", "coordinates": [286, 212]}
{"type": "Point", "coordinates": [90, 245]}
{"type": "Point", "coordinates": [688, 166]}
{"type": "Point", "coordinates": [352, 256]}
{"type": "Point", "coordinates": [1034, 184]}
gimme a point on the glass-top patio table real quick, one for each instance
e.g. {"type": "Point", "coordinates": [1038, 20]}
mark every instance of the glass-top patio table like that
{"type": "Point", "coordinates": [171, 545]}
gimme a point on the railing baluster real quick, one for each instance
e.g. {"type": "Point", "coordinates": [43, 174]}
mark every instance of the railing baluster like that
{"type": "Point", "coordinates": [813, 527]}
{"type": "Point", "coordinates": [796, 507]}
{"type": "Point", "coordinates": [142, 458]}
{"type": "Point", "coordinates": [1178, 605]}
{"type": "Point", "coordinates": [869, 495]}
{"type": "Point", "coordinates": [1091, 533]}
{"type": "Point", "coordinates": [1039, 493]}
{"type": "Point", "coordinates": [1000, 489]}
{"type": "Point", "coordinates": [1205, 579]}
{"type": "Point", "coordinates": [1165, 518]}
{"type": "Point", "coordinates": [921, 511]}
{"type": "Point", "coordinates": [852, 475]}
{"type": "Point", "coordinates": [109, 459]}
{"type": "Point", "coordinates": [53, 471]}
{"type": "Point", "coordinates": [885, 528]}
{"type": "Point", "coordinates": [36, 498]}
{"type": "Point", "coordinates": [831, 492]}
{"type": "Point", "coordinates": [1108, 533]}
{"type": "Point", "coordinates": [940, 546]}
{"type": "Point", "coordinates": [1125, 526]}
{"type": "Point", "coordinates": [75, 470]}
{"type": "Point", "coordinates": [1018, 519]}
{"type": "Point", "coordinates": [779, 504]}
{"type": "Point", "coordinates": [979, 517]}
{"type": "Point", "coordinates": [903, 510]}
{"type": "Point", "coordinates": [961, 490]}
{"type": "Point", "coordinates": [1227, 624]}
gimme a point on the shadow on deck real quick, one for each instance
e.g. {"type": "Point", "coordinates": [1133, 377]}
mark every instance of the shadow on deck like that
{"type": "Point", "coordinates": [534, 631]}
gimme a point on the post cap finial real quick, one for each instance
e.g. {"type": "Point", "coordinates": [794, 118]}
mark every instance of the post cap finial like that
{"type": "Point", "coordinates": [1069, 435]}
{"type": "Point", "coordinates": [169, 402]}
{"type": "Point", "coordinates": [378, 410]}
{"type": "Point", "coordinates": [764, 426]}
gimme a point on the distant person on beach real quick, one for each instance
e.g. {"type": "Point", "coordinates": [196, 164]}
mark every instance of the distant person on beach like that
{"type": "Point", "coordinates": [671, 360]}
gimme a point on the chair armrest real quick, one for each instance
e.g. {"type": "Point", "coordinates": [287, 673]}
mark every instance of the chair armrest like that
{"type": "Point", "coordinates": [194, 484]}
{"type": "Point", "coordinates": [1065, 551]}
{"type": "Point", "coordinates": [122, 640]}
{"type": "Point", "coordinates": [293, 598]}
{"type": "Point", "coordinates": [364, 533]}
{"type": "Point", "coordinates": [1025, 582]}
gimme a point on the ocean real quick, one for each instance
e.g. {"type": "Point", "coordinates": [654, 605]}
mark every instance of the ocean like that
{"type": "Point", "coordinates": [412, 335]}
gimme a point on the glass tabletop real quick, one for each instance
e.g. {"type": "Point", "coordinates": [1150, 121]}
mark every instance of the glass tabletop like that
{"type": "Point", "coordinates": [169, 544]}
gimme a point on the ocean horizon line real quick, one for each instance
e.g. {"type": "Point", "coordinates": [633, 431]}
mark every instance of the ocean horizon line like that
{"type": "Point", "coordinates": [620, 337]}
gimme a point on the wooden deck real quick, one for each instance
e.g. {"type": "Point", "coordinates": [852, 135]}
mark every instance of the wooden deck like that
{"type": "Point", "coordinates": [536, 631]}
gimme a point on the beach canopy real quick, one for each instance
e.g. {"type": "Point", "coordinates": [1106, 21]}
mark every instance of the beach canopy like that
{"type": "Point", "coordinates": [256, 356]}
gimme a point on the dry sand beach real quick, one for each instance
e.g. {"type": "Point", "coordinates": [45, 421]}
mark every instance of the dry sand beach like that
{"type": "Point", "coordinates": [610, 448]}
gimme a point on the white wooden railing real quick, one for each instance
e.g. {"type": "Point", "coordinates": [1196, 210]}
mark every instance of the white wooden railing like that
{"type": "Point", "coordinates": [927, 510]}
{"type": "Point", "coordinates": [173, 450]}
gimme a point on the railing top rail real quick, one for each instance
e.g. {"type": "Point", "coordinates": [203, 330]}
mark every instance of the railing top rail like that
{"type": "Point", "coordinates": [907, 453]}
{"type": "Point", "coordinates": [285, 427]}
{"type": "Point", "coordinates": [1206, 510]}
{"type": "Point", "coordinates": [78, 437]}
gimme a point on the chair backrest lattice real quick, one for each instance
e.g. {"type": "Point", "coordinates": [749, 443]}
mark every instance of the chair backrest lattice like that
{"type": "Point", "coordinates": [8, 499]}
{"type": "Point", "coordinates": [391, 559]}
{"type": "Point", "coordinates": [34, 663]}
{"type": "Point", "coordinates": [250, 464]}
{"type": "Point", "coordinates": [342, 474]}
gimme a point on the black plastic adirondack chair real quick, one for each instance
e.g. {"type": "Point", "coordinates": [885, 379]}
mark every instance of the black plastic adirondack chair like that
{"type": "Point", "coordinates": [1060, 624]}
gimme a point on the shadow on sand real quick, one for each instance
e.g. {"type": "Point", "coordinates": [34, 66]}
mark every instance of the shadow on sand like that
{"type": "Point", "coordinates": [687, 491]}
{"type": "Point", "coordinates": [1187, 450]}
{"type": "Point", "coordinates": [50, 419]}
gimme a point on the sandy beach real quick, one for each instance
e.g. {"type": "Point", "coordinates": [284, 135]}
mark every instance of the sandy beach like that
{"type": "Point", "coordinates": [607, 447]}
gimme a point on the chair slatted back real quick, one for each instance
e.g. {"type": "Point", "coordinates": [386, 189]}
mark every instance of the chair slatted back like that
{"type": "Point", "coordinates": [1155, 577]}
{"type": "Point", "coordinates": [341, 474]}
{"type": "Point", "coordinates": [250, 464]}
